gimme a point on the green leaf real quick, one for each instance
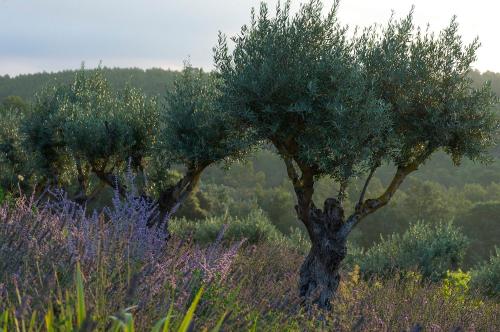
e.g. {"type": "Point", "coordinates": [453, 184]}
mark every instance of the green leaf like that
{"type": "Point", "coordinates": [80, 297]}
{"type": "Point", "coordinates": [186, 322]}
{"type": "Point", "coordinates": [220, 322]}
{"type": "Point", "coordinates": [5, 318]}
{"type": "Point", "coordinates": [164, 323]}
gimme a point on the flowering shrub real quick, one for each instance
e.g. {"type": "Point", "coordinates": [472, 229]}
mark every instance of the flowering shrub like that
{"type": "Point", "coordinates": [122, 259]}
{"type": "Point", "coordinates": [139, 287]}
{"type": "Point", "coordinates": [131, 276]}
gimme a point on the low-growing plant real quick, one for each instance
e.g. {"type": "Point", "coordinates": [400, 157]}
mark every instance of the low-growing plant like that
{"type": "Point", "coordinates": [255, 228]}
{"type": "Point", "coordinates": [430, 250]}
{"type": "Point", "coordinates": [456, 284]}
{"type": "Point", "coordinates": [486, 277]}
{"type": "Point", "coordinates": [123, 261]}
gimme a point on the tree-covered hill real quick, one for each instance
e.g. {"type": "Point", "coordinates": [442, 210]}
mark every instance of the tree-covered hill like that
{"type": "Point", "coordinates": [153, 81]}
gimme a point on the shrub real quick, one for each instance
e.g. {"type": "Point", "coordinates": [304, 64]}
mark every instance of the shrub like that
{"type": "Point", "coordinates": [480, 224]}
{"type": "Point", "coordinates": [456, 284]}
{"type": "Point", "coordinates": [486, 278]}
{"type": "Point", "coordinates": [255, 228]}
{"type": "Point", "coordinates": [121, 258]}
{"type": "Point", "coordinates": [432, 251]}
{"type": "Point", "coordinates": [278, 204]}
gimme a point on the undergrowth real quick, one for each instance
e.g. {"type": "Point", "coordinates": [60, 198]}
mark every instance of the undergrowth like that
{"type": "Point", "coordinates": [65, 269]}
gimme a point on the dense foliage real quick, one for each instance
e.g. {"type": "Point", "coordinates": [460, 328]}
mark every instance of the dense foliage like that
{"type": "Point", "coordinates": [339, 106]}
{"type": "Point", "coordinates": [64, 119]}
{"type": "Point", "coordinates": [486, 277]}
{"type": "Point", "coordinates": [431, 251]}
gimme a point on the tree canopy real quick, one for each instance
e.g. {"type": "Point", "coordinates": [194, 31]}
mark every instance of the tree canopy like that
{"type": "Point", "coordinates": [87, 127]}
{"type": "Point", "coordinates": [338, 105]}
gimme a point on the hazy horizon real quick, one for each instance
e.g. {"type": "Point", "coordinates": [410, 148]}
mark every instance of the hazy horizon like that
{"type": "Point", "coordinates": [58, 35]}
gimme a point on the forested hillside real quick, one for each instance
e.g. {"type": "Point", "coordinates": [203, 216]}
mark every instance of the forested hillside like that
{"type": "Point", "coordinates": [153, 81]}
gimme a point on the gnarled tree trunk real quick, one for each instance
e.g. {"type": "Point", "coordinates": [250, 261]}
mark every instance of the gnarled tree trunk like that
{"type": "Point", "coordinates": [170, 199]}
{"type": "Point", "coordinates": [319, 274]}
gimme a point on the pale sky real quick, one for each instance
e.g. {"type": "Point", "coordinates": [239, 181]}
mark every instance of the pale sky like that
{"type": "Point", "coordinates": [52, 35]}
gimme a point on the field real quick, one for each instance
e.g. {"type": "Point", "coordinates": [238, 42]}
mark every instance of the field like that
{"type": "Point", "coordinates": [64, 271]}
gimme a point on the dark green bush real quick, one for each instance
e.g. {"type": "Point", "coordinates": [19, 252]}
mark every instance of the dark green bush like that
{"type": "Point", "coordinates": [255, 227]}
{"type": "Point", "coordinates": [429, 250]}
{"type": "Point", "coordinates": [480, 224]}
{"type": "Point", "coordinates": [486, 278]}
{"type": "Point", "coordinates": [278, 203]}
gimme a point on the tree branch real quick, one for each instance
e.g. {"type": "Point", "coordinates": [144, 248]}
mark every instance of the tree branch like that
{"type": "Point", "coordinates": [100, 186]}
{"type": "Point", "coordinates": [342, 195]}
{"type": "Point", "coordinates": [371, 205]}
{"type": "Point", "coordinates": [291, 171]}
{"type": "Point", "coordinates": [363, 192]}
{"type": "Point", "coordinates": [172, 197]}
{"type": "Point", "coordinates": [303, 186]}
{"type": "Point", "coordinates": [111, 180]}
{"type": "Point", "coordinates": [82, 182]}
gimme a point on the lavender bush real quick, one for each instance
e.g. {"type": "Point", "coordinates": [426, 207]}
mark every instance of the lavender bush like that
{"type": "Point", "coordinates": [124, 261]}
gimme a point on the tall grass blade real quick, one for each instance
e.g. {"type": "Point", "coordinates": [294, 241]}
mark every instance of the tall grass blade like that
{"type": "Point", "coordinates": [186, 321]}
{"type": "Point", "coordinates": [220, 322]}
{"type": "Point", "coordinates": [80, 297]}
{"type": "Point", "coordinates": [164, 324]}
{"type": "Point", "coordinates": [49, 320]}
{"type": "Point", "coordinates": [32, 321]}
{"type": "Point", "coordinates": [254, 326]}
{"type": "Point", "coordinates": [5, 319]}
{"type": "Point", "coordinates": [124, 321]}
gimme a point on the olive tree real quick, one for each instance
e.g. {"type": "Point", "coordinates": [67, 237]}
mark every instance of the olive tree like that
{"type": "Point", "coordinates": [87, 129]}
{"type": "Point", "coordinates": [336, 105]}
{"type": "Point", "coordinates": [194, 133]}
{"type": "Point", "coordinates": [16, 169]}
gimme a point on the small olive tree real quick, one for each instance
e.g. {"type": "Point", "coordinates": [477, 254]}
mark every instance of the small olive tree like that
{"type": "Point", "coordinates": [15, 167]}
{"type": "Point", "coordinates": [87, 130]}
{"type": "Point", "coordinates": [194, 133]}
{"type": "Point", "coordinates": [340, 106]}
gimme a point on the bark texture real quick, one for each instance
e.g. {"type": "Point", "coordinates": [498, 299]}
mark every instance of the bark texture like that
{"type": "Point", "coordinates": [319, 274]}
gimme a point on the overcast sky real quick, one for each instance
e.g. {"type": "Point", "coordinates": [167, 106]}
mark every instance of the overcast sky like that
{"type": "Point", "coordinates": [51, 35]}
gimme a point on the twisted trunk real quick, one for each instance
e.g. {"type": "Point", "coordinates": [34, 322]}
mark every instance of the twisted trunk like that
{"type": "Point", "coordinates": [319, 274]}
{"type": "Point", "coordinates": [169, 199]}
{"type": "Point", "coordinates": [328, 228]}
{"type": "Point", "coordinates": [173, 197]}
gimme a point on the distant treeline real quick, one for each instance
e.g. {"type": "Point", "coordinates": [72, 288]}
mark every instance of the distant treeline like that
{"type": "Point", "coordinates": [153, 81]}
